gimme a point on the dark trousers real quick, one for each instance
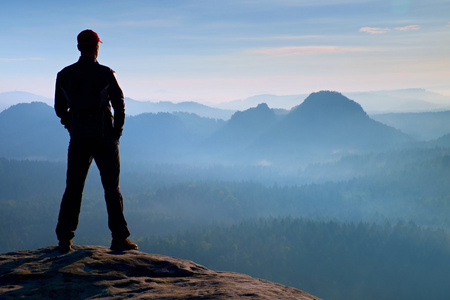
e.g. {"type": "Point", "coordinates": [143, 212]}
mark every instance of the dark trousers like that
{"type": "Point", "coordinates": [105, 152]}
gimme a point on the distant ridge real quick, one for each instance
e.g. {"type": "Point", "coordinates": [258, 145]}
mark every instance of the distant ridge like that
{"type": "Point", "coordinates": [133, 107]}
{"type": "Point", "coordinates": [273, 101]}
{"type": "Point", "coordinates": [8, 99]}
{"type": "Point", "coordinates": [387, 101]}
{"type": "Point", "coordinates": [402, 100]}
{"type": "Point", "coordinates": [326, 125]}
{"type": "Point", "coordinates": [424, 126]}
{"type": "Point", "coordinates": [32, 130]}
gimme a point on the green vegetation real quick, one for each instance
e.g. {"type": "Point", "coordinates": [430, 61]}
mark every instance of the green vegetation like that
{"type": "Point", "coordinates": [372, 226]}
{"type": "Point", "coordinates": [328, 259]}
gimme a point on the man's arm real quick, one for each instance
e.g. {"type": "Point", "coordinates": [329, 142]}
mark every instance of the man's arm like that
{"type": "Point", "coordinates": [61, 104]}
{"type": "Point", "coordinates": [118, 104]}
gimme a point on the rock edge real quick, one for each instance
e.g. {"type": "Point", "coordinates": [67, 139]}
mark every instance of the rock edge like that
{"type": "Point", "coordinates": [96, 272]}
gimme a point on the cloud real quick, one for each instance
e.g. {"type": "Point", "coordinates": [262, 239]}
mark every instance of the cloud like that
{"type": "Point", "coordinates": [374, 30]}
{"type": "Point", "coordinates": [382, 30]}
{"type": "Point", "coordinates": [306, 50]}
{"type": "Point", "coordinates": [279, 38]}
{"type": "Point", "coordinates": [408, 28]}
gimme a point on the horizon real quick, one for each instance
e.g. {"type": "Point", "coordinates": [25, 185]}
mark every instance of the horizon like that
{"type": "Point", "coordinates": [215, 52]}
{"type": "Point", "coordinates": [413, 100]}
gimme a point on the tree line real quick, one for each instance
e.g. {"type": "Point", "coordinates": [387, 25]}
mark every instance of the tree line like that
{"type": "Point", "coordinates": [351, 239]}
{"type": "Point", "coordinates": [332, 260]}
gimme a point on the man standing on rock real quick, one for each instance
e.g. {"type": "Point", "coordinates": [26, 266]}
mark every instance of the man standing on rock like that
{"type": "Point", "coordinates": [84, 94]}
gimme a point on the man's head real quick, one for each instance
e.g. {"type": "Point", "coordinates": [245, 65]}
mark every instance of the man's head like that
{"type": "Point", "coordinates": [88, 42]}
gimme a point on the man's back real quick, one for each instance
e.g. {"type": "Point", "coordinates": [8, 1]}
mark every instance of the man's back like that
{"type": "Point", "coordinates": [82, 99]}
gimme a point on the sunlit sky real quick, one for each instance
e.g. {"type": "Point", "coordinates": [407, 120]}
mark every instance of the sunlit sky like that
{"type": "Point", "coordinates": [217, 51]}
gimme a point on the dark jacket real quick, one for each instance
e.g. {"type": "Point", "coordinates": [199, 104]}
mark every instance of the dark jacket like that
{"type": "Point", "coordinates": [84, 94]}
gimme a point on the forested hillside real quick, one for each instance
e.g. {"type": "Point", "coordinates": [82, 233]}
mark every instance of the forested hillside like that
{"type": "Point", "coordinates": [351, 239]}
{"type": "Point", "coordinates": [397, 186]}
{"type": "Point", "coordinates": [332, 260]}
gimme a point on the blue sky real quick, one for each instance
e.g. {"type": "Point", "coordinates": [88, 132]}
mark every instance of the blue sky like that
{"type": "Point", "coordinates": [217, 51]}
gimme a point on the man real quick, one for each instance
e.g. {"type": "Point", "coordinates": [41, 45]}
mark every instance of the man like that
{"type": "Point", "coordinates": [84, 94]}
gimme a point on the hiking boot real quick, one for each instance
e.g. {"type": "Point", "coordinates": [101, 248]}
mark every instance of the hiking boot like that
{"type": "Point", "coordinates": [122, 245]}
{"type": "Point", "coordinates": [65, 246]}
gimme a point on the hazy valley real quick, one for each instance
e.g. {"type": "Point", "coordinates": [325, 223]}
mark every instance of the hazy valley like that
{"type": "Point", "coordinates": [322, 196]}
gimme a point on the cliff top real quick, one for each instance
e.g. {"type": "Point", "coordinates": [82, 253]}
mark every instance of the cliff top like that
{"type": "Point", "coordinates": [97, 272]}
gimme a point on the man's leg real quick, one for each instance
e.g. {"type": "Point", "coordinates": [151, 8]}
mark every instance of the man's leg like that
{"type": "Point", "coordinates": [108, 162]}
{"type": "Point", "coordinates": [78, 162]}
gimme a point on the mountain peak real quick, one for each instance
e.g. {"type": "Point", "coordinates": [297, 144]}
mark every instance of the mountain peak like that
{"type": "Point", "coordinates": [96, 272]}
{"type": "Point", "coordinates": [253, 119]}
{"type": "Point", "coordinates": [327, 123]}
{"type": "Point", "coordinates": [330, 103]}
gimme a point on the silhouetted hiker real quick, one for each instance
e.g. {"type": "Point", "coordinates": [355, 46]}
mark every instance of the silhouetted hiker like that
{"type": "Point", "coordinates": [84, 94]}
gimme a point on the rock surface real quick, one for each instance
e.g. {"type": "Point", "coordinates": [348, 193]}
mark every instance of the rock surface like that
{"type": "Point", "coordinates": [95, 272]}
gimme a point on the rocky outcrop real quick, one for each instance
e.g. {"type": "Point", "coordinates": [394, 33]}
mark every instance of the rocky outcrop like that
{"type": "Point", "coordinates": [95, 272]}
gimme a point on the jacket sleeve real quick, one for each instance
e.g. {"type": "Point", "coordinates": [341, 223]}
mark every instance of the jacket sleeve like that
{"type": "Point", "coordinates": [61, 104]}
{"type": "Point", "coordinates": [118, 104]}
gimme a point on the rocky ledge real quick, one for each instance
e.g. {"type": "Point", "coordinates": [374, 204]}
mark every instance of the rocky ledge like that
{"type": "Point", "coordinates": [95, 272]}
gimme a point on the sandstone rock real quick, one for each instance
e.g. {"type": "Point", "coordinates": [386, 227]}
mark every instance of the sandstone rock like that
{"type": "Point", "coordinates": [95, 272]}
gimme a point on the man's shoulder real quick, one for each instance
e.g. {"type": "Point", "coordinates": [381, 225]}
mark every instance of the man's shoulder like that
{"type": "Point", "coordinates": [105, 68]}
{"type": "Point", "coordinates": [67, 68]}
{"type": "Point", "coordinates": [73, 67]}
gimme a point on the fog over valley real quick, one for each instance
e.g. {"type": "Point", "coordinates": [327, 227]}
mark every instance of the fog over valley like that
{"type": "Point", "coordinates": [321, 192]}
